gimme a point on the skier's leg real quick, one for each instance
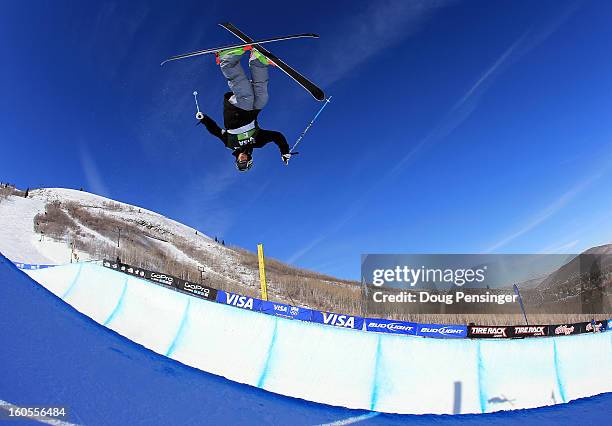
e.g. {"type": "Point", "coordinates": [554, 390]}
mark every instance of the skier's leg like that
{"type": "Point", "coordinates": [259, 75]}
{"type": "Point", "coordinates": [237, 80]}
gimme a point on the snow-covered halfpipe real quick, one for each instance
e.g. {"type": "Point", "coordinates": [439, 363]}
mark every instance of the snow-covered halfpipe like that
{"type": "Point", "coordinates": [331, 365]}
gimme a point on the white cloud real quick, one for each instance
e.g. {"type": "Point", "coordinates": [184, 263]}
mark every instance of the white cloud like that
{"type": "Point", "coordinates": [490, 72]}
{"type": "Point", "coordinates": [205, 199]}
{"type": "Point", "coordinates": [563, 247]}
{"type": "Point", "coordinates": [95, 182]}
{"type": "Point", "coordinates": [381, 24]}
{"type": "Point", "coordinates": [541, 216]}
{"type": "Point", "coordinates": [305, 249]}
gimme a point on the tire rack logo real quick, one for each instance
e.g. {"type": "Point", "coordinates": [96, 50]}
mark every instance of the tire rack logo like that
{"type": "Point", "coordinates": [531, 330]}
{"type": "Point", "coordinates": [443, 331]}
{"type": "Point", "coordinates": [162, 278]}
{"type": "Point", "coordinates": [489, 331]}
{"type": "Point", "coordinates": [393, 327]}
{"type": "Point", "coordinates": [564, 329]}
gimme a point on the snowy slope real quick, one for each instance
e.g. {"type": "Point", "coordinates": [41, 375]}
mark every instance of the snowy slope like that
{"type": "Point", "coordinates": [19, 241]}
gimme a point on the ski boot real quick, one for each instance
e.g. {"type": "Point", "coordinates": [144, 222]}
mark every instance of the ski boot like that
{"type": "Point", "coordinates": [257, 56]}
{"type": "Point", "coordinates": [238, 51]}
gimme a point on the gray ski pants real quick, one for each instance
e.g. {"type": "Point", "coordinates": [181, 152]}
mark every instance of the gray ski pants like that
{"type": "Point", "coordinates": [248, 94]}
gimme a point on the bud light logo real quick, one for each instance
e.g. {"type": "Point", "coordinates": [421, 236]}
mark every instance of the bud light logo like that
{"type": "Point", "coordinates": [390, 326]}
{"type": "Point", "coordinates": [442, 331]}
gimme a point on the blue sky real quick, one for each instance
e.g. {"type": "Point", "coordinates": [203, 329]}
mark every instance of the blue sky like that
{"type": "Point", "coordinates": [455, 126]}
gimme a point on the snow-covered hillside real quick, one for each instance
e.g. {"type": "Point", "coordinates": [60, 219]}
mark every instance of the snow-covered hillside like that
{"type": "Point", "coordinates": [57, 226]}
{"type": "Point", "coordinates": [20, 242]}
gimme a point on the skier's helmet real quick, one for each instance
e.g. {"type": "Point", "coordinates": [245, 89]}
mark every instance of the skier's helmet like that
{"type": "Point", "coordinates": [244, 165]}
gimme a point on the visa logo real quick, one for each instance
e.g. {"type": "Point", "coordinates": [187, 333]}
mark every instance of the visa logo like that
{"type": "Point", "coordinates": [338, 320]}
{"type": "Point", "coordinates": [280, 308]}
{"type": "Point", "coordinates": [240, 301]}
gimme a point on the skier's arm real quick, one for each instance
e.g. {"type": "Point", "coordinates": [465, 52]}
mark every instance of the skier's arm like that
{"type": "Point", "coordinates": [212, 127]}
{"type": "Point", "coordinates": [266, 136]}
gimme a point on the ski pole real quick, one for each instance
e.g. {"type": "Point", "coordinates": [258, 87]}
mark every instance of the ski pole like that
{"type": "Point", "coordinates": [195, 96]}
{"type": "Point", "coordinates": [518, 293]}
{"type": "Point", "coordinates": [310, 124]}
{"type": "Point", "coordinates": [199, 115]}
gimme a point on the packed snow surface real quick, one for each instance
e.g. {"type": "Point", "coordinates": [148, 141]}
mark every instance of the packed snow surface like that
{"type": "Point", "coordinates": [54, 355]}
{"type": "Point", "coordinates": [332, 365]}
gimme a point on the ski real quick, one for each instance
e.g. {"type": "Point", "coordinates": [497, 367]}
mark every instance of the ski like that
{"type": "Point", "coordinates": [312, 88]}
{"type": "Point", "coordinates": [235, 46]}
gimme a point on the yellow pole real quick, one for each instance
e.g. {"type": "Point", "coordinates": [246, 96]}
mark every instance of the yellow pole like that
{"type": "Point", "coordinates": [262, 272]}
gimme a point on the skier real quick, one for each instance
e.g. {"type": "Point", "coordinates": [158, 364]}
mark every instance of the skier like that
{"type": "Point", "coordinates": [241, 108]}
